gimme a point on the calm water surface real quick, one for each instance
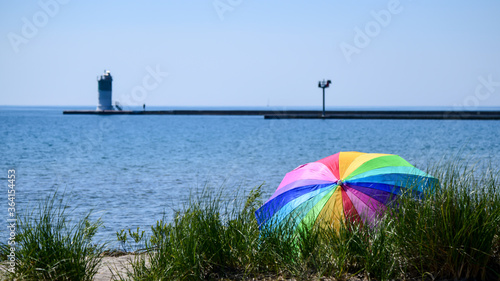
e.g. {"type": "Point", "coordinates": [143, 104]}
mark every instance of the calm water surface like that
{"type": "Point", "coordinates": [133, 169]}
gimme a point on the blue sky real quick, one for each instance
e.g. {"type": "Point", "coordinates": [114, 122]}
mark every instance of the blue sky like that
{"type": "Point", "coordinates": [251, 53]}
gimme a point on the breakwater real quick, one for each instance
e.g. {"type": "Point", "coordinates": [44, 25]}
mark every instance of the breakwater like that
{"type": "Point", "coordinates": [313, 114]}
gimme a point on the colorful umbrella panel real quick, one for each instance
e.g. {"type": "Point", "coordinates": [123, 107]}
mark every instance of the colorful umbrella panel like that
{"type": "Point", "coordinates": [347, 185]}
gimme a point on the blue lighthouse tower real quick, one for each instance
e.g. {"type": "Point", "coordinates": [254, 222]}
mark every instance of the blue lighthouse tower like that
{"type": "Point", "coordinates": [104, 83]}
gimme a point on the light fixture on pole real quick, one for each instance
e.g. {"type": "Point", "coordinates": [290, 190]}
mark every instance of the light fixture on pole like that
{"type": "Point", "coordinates": [324, 84]}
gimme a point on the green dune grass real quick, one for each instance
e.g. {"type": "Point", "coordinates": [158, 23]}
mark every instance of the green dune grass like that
{"type": "Point", "coordinates": [452, 232]}
{"type": "Point", "coordinates": [49, 246]}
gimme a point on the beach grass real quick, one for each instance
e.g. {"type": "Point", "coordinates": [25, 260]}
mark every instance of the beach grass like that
{"type": "Point", "coordinates": [49, 246]}
{"type": "Point", "coordinates": [454, 232]}
{"type": "Point", "coordinates": [451, 232]}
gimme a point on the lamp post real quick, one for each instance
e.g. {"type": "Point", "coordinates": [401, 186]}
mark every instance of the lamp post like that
{"type": "Point", "coordinates": [324, 84]}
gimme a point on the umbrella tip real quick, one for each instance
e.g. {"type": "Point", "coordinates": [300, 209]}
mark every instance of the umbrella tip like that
{"type": "Point", "coordinates": [339, 182]}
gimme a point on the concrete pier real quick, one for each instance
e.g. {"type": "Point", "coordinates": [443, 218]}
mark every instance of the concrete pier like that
{"type": "Point", "coordinates": [313, 114]}
{"type": "Point", "coordinates": [437, 115]}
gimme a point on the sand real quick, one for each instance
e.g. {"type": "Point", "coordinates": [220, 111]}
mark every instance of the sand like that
{"type": "Point", "coordinates": [111, 265]}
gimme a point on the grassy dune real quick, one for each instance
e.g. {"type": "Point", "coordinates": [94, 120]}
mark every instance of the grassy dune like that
{"type": "Point", "coordinates": [454, 232]}
{"type": "Point", "coordinates": [49, 246]}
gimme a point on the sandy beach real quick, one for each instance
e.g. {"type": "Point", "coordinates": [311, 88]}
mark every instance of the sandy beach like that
{"type": "Point", "coordinates": [112, 265]}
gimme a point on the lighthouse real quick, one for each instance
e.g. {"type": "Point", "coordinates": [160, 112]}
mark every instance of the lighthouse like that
{"type": "Point", "coordinates": [104, 88]}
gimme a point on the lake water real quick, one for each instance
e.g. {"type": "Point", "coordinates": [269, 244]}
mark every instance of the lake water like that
{"type": "Point", "coordinates": [133, 169]}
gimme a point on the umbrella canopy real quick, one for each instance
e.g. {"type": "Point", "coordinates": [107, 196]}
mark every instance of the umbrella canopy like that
{"type": "Point", "coordinates": [347, 185]}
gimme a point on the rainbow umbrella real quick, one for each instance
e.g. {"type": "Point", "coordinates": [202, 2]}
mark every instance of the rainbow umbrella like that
{"type": "Point", "coordinates": [348, 185]}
